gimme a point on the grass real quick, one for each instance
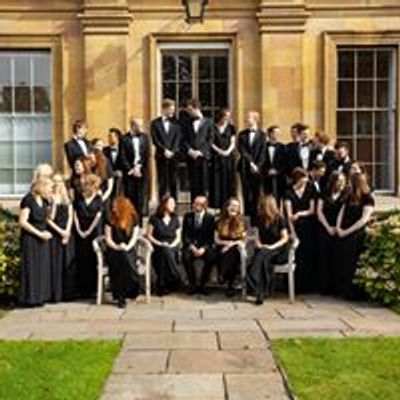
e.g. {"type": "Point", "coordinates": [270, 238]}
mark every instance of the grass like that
{"type": "Point", "coordinates": [396, 309]}
{"type": "Point", "coordinates": [55, 370]}
{"type": "Point", "coordinates": [342, 369]}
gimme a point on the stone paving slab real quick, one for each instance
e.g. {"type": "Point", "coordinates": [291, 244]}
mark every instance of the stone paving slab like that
{"type": "Point", "coordinates": [242, 340]}
{"type": "Point", "coordinates": [243, 314]}
{"type": "Point", "coordinates": [227, 361]}
{"type": "Point", "coordinates": [141, 362]}
{"type": "Point", "coordinates": [216, 325]}
{"type": "Point", "coordinates": [138, 313]}
{"type": "Point", "coordinates": [172, 341]}
{"type": "Point", "coordinates": [292, 334]}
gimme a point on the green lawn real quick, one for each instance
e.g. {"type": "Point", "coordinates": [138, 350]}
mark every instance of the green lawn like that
{"type": "Point", "coordinates": [342, 369]}
{"type": "Point", "coordinates": [55, 370]}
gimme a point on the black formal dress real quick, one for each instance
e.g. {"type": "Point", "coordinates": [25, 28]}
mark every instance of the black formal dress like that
{"type": "Point", "coordinates": [113, 155]}
{"type": "Point", "coordinates": [165, 260]}
{"type": "Point", "coordinates": [349, 248]}
{"type": "Point", "coordinates": [63, 268]}
{"type": "Point", "coordinates": [305, 229]}
{"type": "Point", "coordinates": [222, 169]}
{"type": "Point", "coordinates": [327, 244]}
{"type": "Point", "coordinates": [251, 150]}
{"type": "Point", "coordinates": [198, 231]}
{"type": "Point", "coordinates": [124, 277]}
{"type": "Point", "coordinates": [275, 158]}
{"type": "Point", "coordinates": [35, 256]}
{"type": "Point", "coordinates": [136, 187]}
{"type": "Point", "coordinates": [166, 135]}
{"type": "Point", "coordinates": [75, 149]}
{"type": "Point", "coordinates": [201, 140]}
{"type": "Point", "coordinates": [260, 277]}
{"type": "Point", "coordinates": [85, 257]}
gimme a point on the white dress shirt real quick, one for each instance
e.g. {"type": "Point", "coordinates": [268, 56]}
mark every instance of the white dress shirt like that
{"type": "Point", "coordinates": [136, 152]}
{"type": "Point", "coordinates": [252, 135]}
{"type": "Point", "coordinates": [82, 145]}
{"type": "Point", "coordinates": [305, 156]}
{"type": "Point", "coordinates": [166, 123]}
{"type": "Point", "coordinates": [271, 152]}
{"type": "Point", "coordinates": [196, 124]}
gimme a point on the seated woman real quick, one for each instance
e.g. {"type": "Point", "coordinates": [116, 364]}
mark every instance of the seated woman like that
{"type": "Point", "coordinates": [351, 223]}
{"type": "Point", "coordinates": [231, 231]}
{"type": "Point", "coordinates": [164, 232]}
{"type": "Point", "coordinates": [272, 246]}
{"type": "Point", "coordinates": [121, 231]}
{"type": "Point", "coordinates": [35, 248]}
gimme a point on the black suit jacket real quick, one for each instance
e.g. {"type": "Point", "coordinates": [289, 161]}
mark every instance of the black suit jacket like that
{"type": "Point", "coordinates": [117, 163]}
{"type": "Point", "coordinates": [73, 150]}
{"type": "Point", "coordinates": [163, 140]}
{"type": "Point", "coordinates": [328, 157]}
{"type": "Point", "coordinates": [254, 153]}
{"type": "Point", "coordinates": [279, 161]}
{"type": "Point", "coordinates": [200, 140]}
{"type": "Point", "coordinates": [202, 236]}
{"type": "Point", "coordinates": [127, 153]}
{"type": "Point", "coordinates": [293, 156]}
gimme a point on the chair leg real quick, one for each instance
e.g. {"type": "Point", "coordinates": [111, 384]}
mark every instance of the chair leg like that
{"type": "Point", "coordinates": [99, 289]}
{"type": "Point", "coordinates": [243, 277]}
{"type": "Point", "coordinates": [148, 284]}
{"type": "Point", "coordinates": [291, 286]}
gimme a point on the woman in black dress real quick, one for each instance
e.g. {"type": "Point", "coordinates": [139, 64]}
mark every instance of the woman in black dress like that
{"type": "Point", "coordinates": [63, 271]}
{"type": "Point", "coordinates": [329, 204]}
{"type": "Point", "coordinates": [352, 220]}
{"type": "Point", "coordinates": [103, 169]}
{"type": "Point", "coordinates": [75, 183]}
{"type": "Point", "coordinates": [164, 232]}
{"type": "Point", "coordinates": [230, 235]}
{"type": "Point", "coordinates": [87, 219]}
{"type": "Point", "coordinates": [35, 247]}
{"type": "Point", "coordinates": [272, 246]}
{"type": "Point", "coordinates": [222, 173]}
{"type": "Point", "coordinates": [121, 233]}
{"type": "Point", "coordinates": [299, 206]}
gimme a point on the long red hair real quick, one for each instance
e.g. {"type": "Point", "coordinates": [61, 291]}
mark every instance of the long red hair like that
{"type": "Point", "coordinates": [100, 166]}
{"type": "Point", "coordinates": [123, 214]}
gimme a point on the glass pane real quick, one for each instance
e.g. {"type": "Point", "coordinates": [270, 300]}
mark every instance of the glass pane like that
{"type": "Point", "coordinates": [5, 71]}
{"type": "Point", "coordinates": [22, 99]}
{"type": "Point", "coordinates": [364, 150]}
{"type": "Point", "coordinates": [209, 112]}
{"type": "Point", "coordinates": [205, 66]}
{"type": "Point", "coordinates": [24, 155]}
{"type": "Point", "coordinates": [185, 92]}
{"type": "Point", "coordinates": [6, 154]}
{"type": "Point", "coordinates": [168, 68]}
{"type": "Point", "coordinates": [365, 93]}
{"type": "Point", "coordinates": [364, 123]}
{"type": "Point", "coordinates": [205, 94]}
{"type": "Point", "coordinates": [345, 123]}
{"type": "Point", "coordinates": [169, 91]}
{"type": "Point", "coordinates": [383, 64]}
{"type": "Point", "coordinates": [22, 71]}
{"type": "Point", "coordinates": [6, 177]}
{"type": "Point", "coordinates": [185, 68]}
{"type": "Point", "coordinates": [42, 152]}
{"type": "Point", "coordinates": [6, 132]}
{"type": "Point", "coordinates": [382, 150]}
{"type": "Point", "coordinates": [41, 129]}
{"type": "Point", "coordinates": [42, 99]}
{"type": "Point", "coordinates": [382, 123]}
{"type": "Point", "coordinates": [382, 93]}
{"type": "Point", "coordinates": [383, 177]}
{"type": "Point", "coordinates": [23, 128]}
{"type": "Point", "coordinates": [346, 94]}
{"type": "Point", "coordinates": [346, 64]}
{"type": "Point", "coordinates": [221, 70]}
{"type": "Point", "coordinates": [41, 67]}
{"type": "Point", "coordinates": [365, 64]}
{"type": "Point", "coordinates": [24, 176]}
{"type": "Point", "coordinates": [221, 94]}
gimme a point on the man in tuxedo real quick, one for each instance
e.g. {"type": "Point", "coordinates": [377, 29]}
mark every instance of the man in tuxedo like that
{"type": "Point", "coordinates": [166, 135]}
{"type": "Point", "coordinates": [197, 141]}
{"type": "Point", "coordinates": [275, 163]}
{"type": "Point", "coordinates": [251, 146]}
{"type": "Point", "coordinates": [79, 146]}
{"type": "Point", "coordinates": [198, 245]}
{"type": "Point", "coordinates": [113, 154]}
{"type": "Point", "coordinates": [135, 149]}
{"type": "Point", "coordinates": [342, 162]}
{"type": "Point", "coordinates": [292, 148]}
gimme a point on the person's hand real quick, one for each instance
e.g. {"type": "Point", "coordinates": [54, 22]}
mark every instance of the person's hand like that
{"type": "Point", "coordinates": [118, 174]}
{"type": "Point", "coordinates": [200, 252]}
{"type": "Point", "coordinates": [272, 172]}
{"type": "Point", "coordinates": [123, 246]}
{"type": "Point", "coordinates": [193, 154]}
{"type": "Point", "coordinates": [168, 154]}
{"type": "Point", "coordinates": [332, 231]}
{"type": "Point", "coordinates": [342, 232]}
{"type": "Point", "coordinates": [294, 217]}
{"type": "Point", "coordinates": [254, 168]}
{"type": "Point", "coordinates": [46, 236]}
{"type": "Point", "coordinates": [84, 235]}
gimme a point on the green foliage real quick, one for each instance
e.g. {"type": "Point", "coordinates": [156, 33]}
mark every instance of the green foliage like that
{"type": "Point", "coordinates": [379, 266]}
{"type": "Point", "coordinates": [9, 256]}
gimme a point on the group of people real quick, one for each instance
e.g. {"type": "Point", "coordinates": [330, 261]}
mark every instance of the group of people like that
{"type": "Point", "coordinates": [303, 194]}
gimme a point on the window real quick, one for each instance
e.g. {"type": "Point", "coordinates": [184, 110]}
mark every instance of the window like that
{"type": "Point", "coordinates": [366, 109]}
{"type": "Point", "coordinates": [202, 74]}
{"type": "Point", "coordinates": [25, 117]}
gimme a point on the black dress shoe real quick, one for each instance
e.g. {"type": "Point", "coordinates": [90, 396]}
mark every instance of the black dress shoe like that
{"type": "Point", "coordinates": [230, 292]}
{"type": "Point", "coordinates": [191, 290]}
{"type": "Point", "coordinates": [203, 290]}
{"type": "Point", "coordinates": [259, 301]}
{"type": "Point", "coordinates": [121, 303]}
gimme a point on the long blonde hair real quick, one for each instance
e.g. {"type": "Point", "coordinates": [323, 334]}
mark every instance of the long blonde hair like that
{"type": "Point", "coordinates": [65, 199]}
{"type": "Point", "coordinates": [268, 210]}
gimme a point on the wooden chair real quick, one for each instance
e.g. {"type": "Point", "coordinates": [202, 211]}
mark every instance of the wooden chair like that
{"type": "Point", "coordinates": [144, 250]}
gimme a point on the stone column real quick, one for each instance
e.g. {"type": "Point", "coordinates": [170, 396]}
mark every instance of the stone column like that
{"type": "Point", "coordinates": [281, 25]}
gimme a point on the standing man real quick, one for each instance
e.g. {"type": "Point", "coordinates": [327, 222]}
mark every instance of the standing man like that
{"type": "Point", "coordinates": [79, 146]}
{"type": "Point", "coordinates": [166, 135]}
{"type": "Point", "coordinates": [113, 154]}
{"type": "Point", "coordinates": [251, 146]}
{"type": "Point", "coordinates": [198, 245]}
{"type": "Point", "coordinates": [135, 149]}
{"type": "Point", "coordinates": [197, 141]}
{"type": "Point", "coordinates": [292, 150]}
{"type": "Point", "coordinates": [274, 165]}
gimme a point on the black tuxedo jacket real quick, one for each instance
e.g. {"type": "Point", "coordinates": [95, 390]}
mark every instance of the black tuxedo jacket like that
{"type": "Point", "coordinates": [328, 157]}
{"type": "Point", "coordinates": [279, 161]}
{"type": "Point", "coordinates": [254, 153]}
{"type": "Point", "coordinates": [163, 140]}
{"type": "Point", "coordinates": [200, 140]}
{"type": "Point", "coordinates": [293, 156]}
{"type": "Point", "coordinates": [73, 150]}
{"type": "Point", "coordinates": [117, 163]}
{"type": "Point", "coordinates": [127, 152]}
{"type": "Point", "coordinates": [202, 236]}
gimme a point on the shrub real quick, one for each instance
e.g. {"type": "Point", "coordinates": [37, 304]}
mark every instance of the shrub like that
{"type": "Point", "coordinates": [379, 267]}
{"type": "Point", "coordinates": [9, 256]}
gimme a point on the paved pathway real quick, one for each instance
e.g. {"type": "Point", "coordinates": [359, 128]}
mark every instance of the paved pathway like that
{"type": "Point", "coordinates": [180, 348]}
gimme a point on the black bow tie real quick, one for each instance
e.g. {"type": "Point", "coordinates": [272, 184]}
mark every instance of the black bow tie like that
{"type": "Point", "coordinates": [168, 119]}
{"type": "Point", "coordinates": [137, 135]}
{"type": "Point", "coordinates": [303, 144]}
{"type": "Point", "coordinates": [113, 150]}
{"type": "Point", "coordinates": [272, 144]}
